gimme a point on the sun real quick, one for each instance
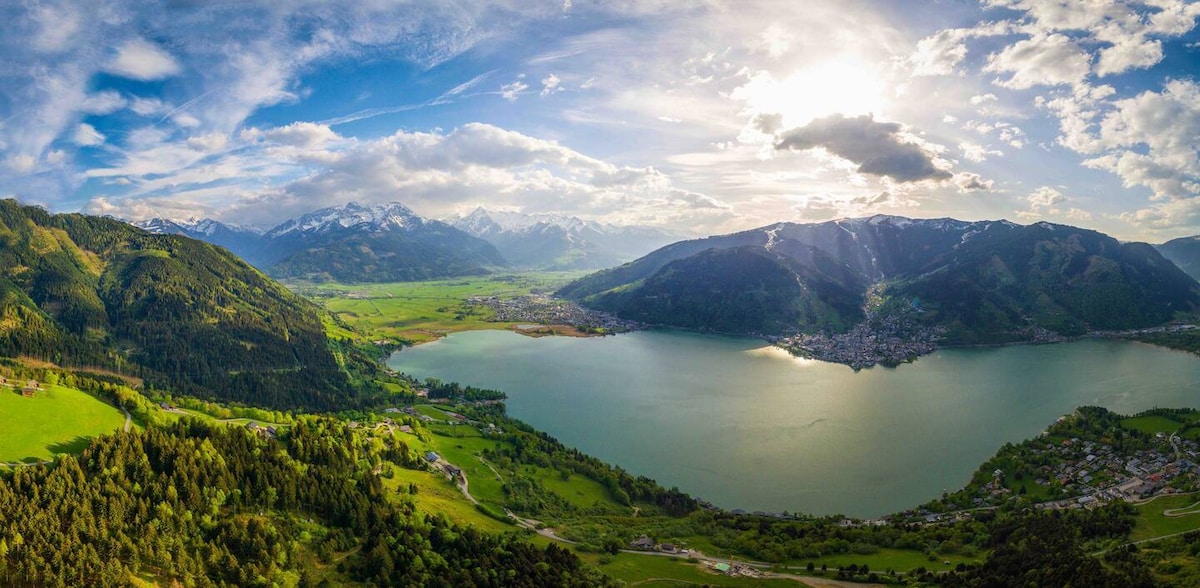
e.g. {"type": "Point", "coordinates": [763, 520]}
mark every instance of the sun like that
{"type": "Point", "coordinates": [844, 86]}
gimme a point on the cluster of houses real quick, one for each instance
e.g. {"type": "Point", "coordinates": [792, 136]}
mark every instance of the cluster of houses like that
{"type": "Point", "coordinates": [888, 340]}
{"type": "Point", "coordinates": [1092, 473]}
{"type": "Point", "coordinates": [27, 388]}
{"type": "Point", "coordinates": [645, 543]}
{"type": "Point", "coordinates": [543, 310]}
{"type": "Point", "coordinates": [1099, 474]}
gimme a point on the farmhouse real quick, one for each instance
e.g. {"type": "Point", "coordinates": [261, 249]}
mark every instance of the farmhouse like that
{"type": "Point", "coordinates": [642, 542]}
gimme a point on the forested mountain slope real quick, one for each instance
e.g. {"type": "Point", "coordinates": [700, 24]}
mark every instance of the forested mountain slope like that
{"type": "Point", "coordinates": [86, 291]}
{"type": "Point", "coordinates": [982, 281]}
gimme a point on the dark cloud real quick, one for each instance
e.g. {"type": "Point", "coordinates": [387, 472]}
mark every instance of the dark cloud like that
{"type": "Point", "coordinates": [768, 123]}
{"type": "Point", "coordinates": [875, 146]}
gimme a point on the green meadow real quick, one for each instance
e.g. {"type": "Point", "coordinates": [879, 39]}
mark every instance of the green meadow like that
{"type": "Point", "coordinates": [56, 420]}
{"type": "Point", "coordinates": [1152, 424]}
{"type": "Point", "coordinates": [1152, 520]}
{"type": "Point", "coordinates": [417, 312]}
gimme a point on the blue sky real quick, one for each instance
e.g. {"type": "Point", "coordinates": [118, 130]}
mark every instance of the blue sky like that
{"type": "Point", "coordinates": [699, 117]}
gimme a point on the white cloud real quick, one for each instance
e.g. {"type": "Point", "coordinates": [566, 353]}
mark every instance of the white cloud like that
{"type": "Point", "coordinates": [101, 103]}
{"type": "Point", "coordinates": [139, 59]}
{"type": "Point", "coordinates": [208, 143]}
{"type": "Point", "coordinates": [1129, 54]}
{"type": "Point", "coordinates": [1045, 197]}
{"type": "Point", "coordinates": [21, 163]}
{"type": "Point", "coordinates": [982, 99]}
{"type": "Point", "coordinates": [1151, 139]}
{"type": "Point", "coordinates": [550, 85]}
{"type": "Point", "coordinates": [1044, 202]}
{"type": "Point", "coordinates": [301, 134]}
{"type": "Point", "coordinates": [1041, 60]}
{"type": "Point", "coordinates": [436, 173]}
{"type": "Point", "coordinates": [976, 152]}
{"type": "Point", "coordinates": [87, 136]}
{"type": "Point", "coordinates": [513, 90]}
{"type": "Point", "coordinates": [939, 54]}
{"type": "Point", "coordinates": [149, 106]}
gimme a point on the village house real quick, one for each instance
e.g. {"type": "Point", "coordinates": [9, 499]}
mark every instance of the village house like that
{"type": "Point", "coordinates": [642, 542]}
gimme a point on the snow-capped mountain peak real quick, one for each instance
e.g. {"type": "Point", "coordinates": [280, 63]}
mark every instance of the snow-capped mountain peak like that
{"type": "Point", "coordinates": [192, 227]}
{"type": "Point", "coordinates": [482, 221]}
{"type": "Point", "coordinates": [378, 217]}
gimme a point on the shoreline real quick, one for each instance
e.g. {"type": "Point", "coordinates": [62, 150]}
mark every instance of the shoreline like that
{"type": "Point", "coordinates": [567, 330]}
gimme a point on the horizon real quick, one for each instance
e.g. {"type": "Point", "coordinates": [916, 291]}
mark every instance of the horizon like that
{"type": "Point", "coordinates": [1020, 110]}
{"type": "Point", "coordinates": [264, 229]}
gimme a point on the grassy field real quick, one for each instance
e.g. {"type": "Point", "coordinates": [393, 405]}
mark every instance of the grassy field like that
{"type": "Point", "coordinates": [579, 491]}
{"type": "Point", "coordinates": [416, 312]}
{"type": "Point", "coordinates": [58, 420]}
{"type": "Point", "coordinates": [436, 495]}
{"type": "Point", "coordinates": [1151, 522]}
{"type": "Point", "coordinates": [648, 570]}
{"type": "Point", "coordinates": [900, 560]}
{"type": "Point", "coordinates": [1151, 424]}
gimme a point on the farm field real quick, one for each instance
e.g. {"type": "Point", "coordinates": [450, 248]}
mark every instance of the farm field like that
{"type": "Point", "coordinates": [418, 312]}
{"type": "Point", "coordinates": [56, 420]}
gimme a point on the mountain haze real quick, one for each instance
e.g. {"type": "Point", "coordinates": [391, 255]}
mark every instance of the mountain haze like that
{"type": "Point", "coordinates": [555, 242]}
{"type": "Point", "coordinates": [350, 243]}
{"type": "Point", "coordinates": [984, 281]}
{"type": "Point", "coordinates": [1183, 252]}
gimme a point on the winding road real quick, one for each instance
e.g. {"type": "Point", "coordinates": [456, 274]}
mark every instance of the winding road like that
{"type": "Point", "coordinates": [536, 526]}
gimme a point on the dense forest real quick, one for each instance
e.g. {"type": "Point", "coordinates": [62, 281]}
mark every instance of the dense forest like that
{"type": "Point", "coordinates": [211, 505]}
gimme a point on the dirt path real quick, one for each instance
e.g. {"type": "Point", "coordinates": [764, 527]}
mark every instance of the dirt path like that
{"type": "Point", "coordinates": [21, 464]}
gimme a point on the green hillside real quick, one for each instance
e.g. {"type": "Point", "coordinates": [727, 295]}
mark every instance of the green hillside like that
{"type": "Point", "coordinates": [744, 289]}
{"type": "Point", "coordinates": [55, 420]}
{"type": "Point", "coordinates": [87, 291]}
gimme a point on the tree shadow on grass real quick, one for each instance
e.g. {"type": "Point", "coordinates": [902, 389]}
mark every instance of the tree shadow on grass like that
{"type": "Point", "coordinates": [74, 446]}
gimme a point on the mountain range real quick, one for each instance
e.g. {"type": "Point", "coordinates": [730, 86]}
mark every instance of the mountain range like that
{"type": "Point", "coordinates": [983, 282]}
{"type": "Point", "coordinates": [1183, 252]}
{"type": "Point", "coordinates": [389, 242]}
{"type": "Point", "coordinates": [350, 243]}
{"type": "Point", "coordinates": [557, 242]}
{"type": "Point", "coordinates": [97, 293]}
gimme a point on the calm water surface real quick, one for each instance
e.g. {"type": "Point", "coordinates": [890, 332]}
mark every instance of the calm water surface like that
{"type": "Point", "coordinates": [748, 426]}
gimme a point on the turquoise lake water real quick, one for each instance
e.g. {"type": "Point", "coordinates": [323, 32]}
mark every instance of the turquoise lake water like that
{"type": "Point", "coordinates": [746, 425]}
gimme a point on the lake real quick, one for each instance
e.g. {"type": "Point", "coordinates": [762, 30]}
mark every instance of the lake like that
{"type": "Point", "coordinates": [746, 425]}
